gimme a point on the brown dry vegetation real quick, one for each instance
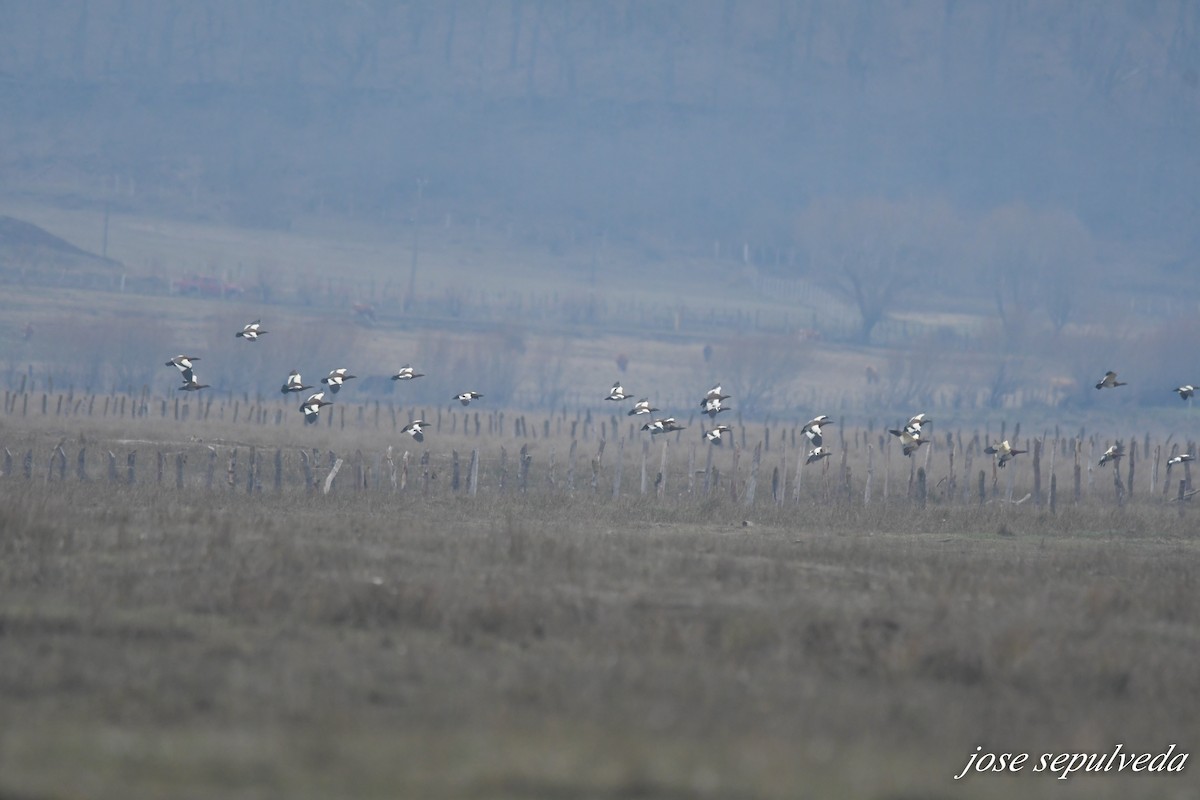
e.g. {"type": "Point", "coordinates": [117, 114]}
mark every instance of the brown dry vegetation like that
{"type": "Point", "coordinates": [554, 643]}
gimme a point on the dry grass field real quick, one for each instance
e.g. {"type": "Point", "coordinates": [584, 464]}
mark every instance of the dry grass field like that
{"type": "Point", "coordinates": [562, 643]}
{"type": "Point", "coordinates": [196, 616]}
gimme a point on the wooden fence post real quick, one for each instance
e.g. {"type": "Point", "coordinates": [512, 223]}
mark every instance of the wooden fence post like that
{"type": "Point", "coordinates": [129, 464]}
{"type": "Point", "coordinates": [473, 472]}
{"type": "Point", "coordinates": [112, 467]}
{"type": "Point", "coordinates": [81, 465]}
{"type": "Point", "coordinates": [180, 460]}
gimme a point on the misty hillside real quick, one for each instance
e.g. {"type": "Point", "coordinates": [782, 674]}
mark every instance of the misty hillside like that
{"type": "Point", "coordinates": [678, 118]}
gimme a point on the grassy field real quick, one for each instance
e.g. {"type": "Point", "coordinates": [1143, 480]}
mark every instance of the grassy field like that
{"type": "Point", "coordinates": [552, 644]}
{"type": "Point", "coordinates": [557, 641]}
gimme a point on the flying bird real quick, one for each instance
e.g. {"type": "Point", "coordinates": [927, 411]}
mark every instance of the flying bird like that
{"type": "Point", "coordinates": [617, 392]}
{"type": "Point", "coordinates": [642, 407]}
{"type": "Point", "coordinates": [1182, 458]}
{"type": "Point", "coordinates": [817, 453]}
{"type": "Point", "coordinates": [812, 429]}
{"type": "Point", "coordinates": [1109, 381]}
{"type": "Point", "coordinates": [714, 394]}
{"type": "Point", "coordinates": [910, 439]}
{"type": "Point", "coordinates": [1006, 452]}
{"type": "Point", "coordinates": [190, 384]}
{"type": "Point", "coordinates": [466, 397]}
{"type": "Point", "coordinates": [665, 425]}
{"type": "Point", "coordinates": [1186, 392]}
{"type": "Point", "coordinates": [311, 407]}
{"type": "Point", "coordinates": [1113, 453]}
{"type": "Point", "coordinates": [407, 373]}
{"type": "Point", "coordinates": [337, 378]}
{"type": "Point", "coordinates": [184, 365]}
{"type": "Point", "coordinates": [714, 436]}
{"type": "Point", "coordinates": [251, 332]}
{"type": "Point", "coordinates": [415, 429]}
{"type": "Point", "coordinates": [294, 384]}
{"type": "Point", "coordinates": [713, 407]}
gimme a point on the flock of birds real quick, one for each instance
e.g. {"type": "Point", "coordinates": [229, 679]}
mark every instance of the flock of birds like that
{"type": "Point", "coordinates": [911, 435]}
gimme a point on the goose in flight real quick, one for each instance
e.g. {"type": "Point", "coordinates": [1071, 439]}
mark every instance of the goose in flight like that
{"type": "Point", "coordinates": [714, 436]}
{"type": "Point", "coordinates": [713, 407]}
{"type": "Point", "coordinates": [294, 384]}
{"type": "Point", "coordinates": [184, 365]}
{"type": "Point", "coordinates": [665, 425]}
{"type": "Point", "coordinates": [642, 407]}
{"type": "Point", "coordinates": [1006, 452]}
{"type": "Point", "coordinates": [910, 440]}
{"type": "Point", "coordinates": [466, 397]}
{"type": "Point", "coordinates": [1186, 391]}
{"type": "Point", "coordinates": [1182, 458]}
{"type": "Point", "coordinates": [407, 373]}
{"type": "Point", "coordinates": [1113, 453]}
{"type": "Point", "coordinates": [817, 453]}
{"type": "Point", "coordinates": [1109, 381]}
{"type": "Point", "coordinates": [311, 407]}
{"type": "Point", "coordinates": [251, 332]}
{"type": "Point", "coordinates": [714, 394]}
{"type": "Point", "coordinates": [337, 378]}
{"type": "Point", "coordinates": [812, 429]}
{"type": "Point", "coordinates": [415, 429]}
{"type": "Point", "coordinates": [617, 392]}
{"type": "Point", "coordinates": [190, 384]}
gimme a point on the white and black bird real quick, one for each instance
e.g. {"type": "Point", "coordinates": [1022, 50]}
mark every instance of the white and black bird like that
{"type": "Point", "coordinates": [1109, 381]}
{"type": "Point", "coordinates": [714, 436]}
{"type": "Point", "coordinates": [337, 378]}
{"type": "Point", "coordinates": [466, 397]}
{"type": "Point", "coordinates": [713, 407]}
{"type": "Point", "coordinates": [1182, 458]}
{"type": "Point", "coordinates": [407, 373]}
{"type": "Point", "coordinates": [190, 384]}
{"type": "Point", "coordinates": [312, 405]}
{"type": "Point", "coordinates": [251, 332]}
{"type": "Point", "coordinates": [415, 429]}
{"type": "Point", "coordinates": [816, 454]}
{"type": "Point", "coordinates": [714, 393]}
{"type": "Point", "coordinates": [618, 392]}
{"type": "Point", "coordinates": [910, 439]}
{"type": "Point", "coordinates": [812, 429]}
{"type": "Point", "coordinates": [294, 383]}
{"type": "Point", "coordinates": [184, 365]}
{"type": "Point", "coordinates": [642, 407]}
{"type": "Point", "coordinates": [664, 425]}
{"type": "Point", "coordinates": [1185, 392]}
{"type": "Point", "coordinates": [1006, 452]}
{"type": "Point", "coordinates": [1113, 453]}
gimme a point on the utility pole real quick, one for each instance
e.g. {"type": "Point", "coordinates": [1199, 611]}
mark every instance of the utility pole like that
{"type": "Point", "coordinates": [416, 246]}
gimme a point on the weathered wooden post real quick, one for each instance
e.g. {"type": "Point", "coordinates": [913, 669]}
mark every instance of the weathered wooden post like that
{"type": "Point", "coordinates": [616, 485]}
{"type": "Point", "coordinates": [982, 487]}
{"type": "Point", "coordinates": [180, 460]}
{"type": "Point", "coordinates": [160, 466]}
{"type": "Point", "coordinates": [454, 476]}
{"type": "Point", "coordinates": [473, 472]}
{"type": "Point", "coordinates": [129, 464]}
{"type": "Point", "coordinates": [526, 460]}
{"type": "Point", "coordinates": [571, 466]}
{"type": "Point", "coordinates": [27, 464]}
{"type": "Point", "coordinates": [733, 487]}
{"type": "Point", "coordinates": [278, 470]}
{"type": "Point", "coordinates": [921, 490]}
{"type": "Point", "coordinates": [210, 472]}
{"type": "Point", "coordinates": [1132, 464]}
{"type": "Point", "coordinates": [1053, 492]}
{"type": "Point", "coordinates": [231, 469]}
{"type": "Point", "coordinates": [1037, 472]}
{"type": "Point", "coordinates": [871, 472]}
{"type": "Point", "coordinates": [81, 465]}
{"type": "Point", "coordinates": [252, 471]}
{"type": "Point", "coordinates": [752, 484]}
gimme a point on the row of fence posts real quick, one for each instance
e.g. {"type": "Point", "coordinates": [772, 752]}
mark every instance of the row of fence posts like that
{"type": "Point", "coordinates": [398, 477]}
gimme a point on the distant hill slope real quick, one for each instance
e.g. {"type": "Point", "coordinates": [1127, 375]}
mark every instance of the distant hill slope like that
{"type": "Point", "coordinates": [24, 245]}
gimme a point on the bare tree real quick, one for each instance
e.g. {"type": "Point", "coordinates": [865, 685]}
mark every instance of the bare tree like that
{"type": "Point", "coordinates": [876, 251]}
